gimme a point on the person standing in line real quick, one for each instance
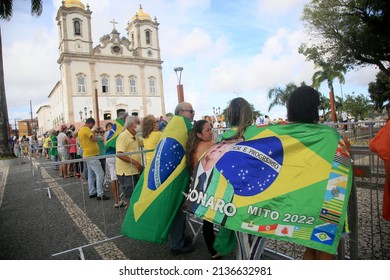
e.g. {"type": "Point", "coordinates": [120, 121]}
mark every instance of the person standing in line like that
{"type": "Point", "coordinates": [63, 150]}
{"type": "Point", "coordinates": [177, 240]}
{"type": "Point", "coordinates": [53, 154]}
{"type": "Point", "coordinates": [99, 132]}
{"type": "Point", "coordinates": [344, 118]}
{"type": "Point", "coordinates": [88, 142]}
{"type": "Point", "coordinates": [72, 168]}
{"type": "Point", "coordinates": [380, 144]}
{"type": "Point", "coordinates": [128, 167]}
{"type": "Point", "coordinates": [302, 107]}
{"type": "Point", "coordinates": [250, 247]}
{"type": "Point", "coordinates": [112, 132]}
{"type": "Point", "coordinates": [199, 141]}
{"type": "Point", "coordinates": [151, 135]}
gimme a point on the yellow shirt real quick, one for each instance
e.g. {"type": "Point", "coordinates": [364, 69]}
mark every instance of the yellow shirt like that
{"type": "Point", "coordinates": [90, 148]}
{"type": "Point", "coordinates": [127, 142]}
{"type": "Point", "coordinates": [46, 142]}
{"type": "Point", "coordinates": [150, 143]}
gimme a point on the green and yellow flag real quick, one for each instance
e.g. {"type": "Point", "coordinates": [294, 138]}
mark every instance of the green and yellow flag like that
{"type": "Point", "coordinates": [289, 182]}
{"type": "Point", "coordinates": [116, 129]}
{"type": "Point", "coordinates": [159, 192]}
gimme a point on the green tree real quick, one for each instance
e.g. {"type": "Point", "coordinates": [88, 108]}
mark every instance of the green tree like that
{"type": "Point", "coordinates": [324, 106]}
{"type": "Point", "coordinates": [328, 72]}
{"type": "Point", "coordinates": [280, 96]}
{"type": "Point", "coordinates": [380, 90]}
{"type": "Point", "coordinates": [357, 106]}
{"type": "Point", "coordinates": [352, 33]}
{"type": "Point", "coordinates": [6, 14]}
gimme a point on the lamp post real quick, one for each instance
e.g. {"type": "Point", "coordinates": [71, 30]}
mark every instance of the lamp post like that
{"type": "Point", "coordinates": [217, 111]}
{"type": "Point", "coordinates": [180, 92]}
{"type": "Point", "coordinates": [96, 103]}
{"type": "Point", "coordinates": [85, 114]}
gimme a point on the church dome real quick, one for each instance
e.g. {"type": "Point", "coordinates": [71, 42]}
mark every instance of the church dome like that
{"type": "Point", "coordinates": [74, 4]}
{"type": "Point", "coordinates": [141, 15]}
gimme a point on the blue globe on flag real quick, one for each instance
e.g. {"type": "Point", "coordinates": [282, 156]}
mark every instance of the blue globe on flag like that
{"type": "Point", "coordinates": [252, 166]}
{"type": "Point", "coordinates": [169, 153]}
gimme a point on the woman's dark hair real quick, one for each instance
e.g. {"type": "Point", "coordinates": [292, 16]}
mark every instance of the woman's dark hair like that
{"type": "Point", "coordinates": [193, 142]}
{"type": "Point", "coordinates": [239, 114]}
{"type": "Point", "coordinates": [302, 105]}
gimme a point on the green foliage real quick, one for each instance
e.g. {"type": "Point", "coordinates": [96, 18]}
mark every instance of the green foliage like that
{"type": "Point", "coordinates": [380, 90]}
{"type": "Point", "coordinates": [280, 96]}
{"type": "Point", "coordinates": [357, 106]}
{"type": "Point", "coordinates": [6, 8]}
{"type": "Point", "coordinates": [350, 32]}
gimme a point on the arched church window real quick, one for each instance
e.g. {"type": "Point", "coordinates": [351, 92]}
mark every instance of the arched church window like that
{"type": "Point", "coordinates": [80, 84]}
{"type": "Point", "coordinates": [77, 27]}
{"type": "Point", "coordinates": [152, 86]}
{"type": "Point", "coordinates": [119, 85]}
{"type": "Point", "coordinates": [104, 84]}
{"type": "Point", "coordinates": [133, 88]}
{"type": "Point", "coordinates": [148, 38]}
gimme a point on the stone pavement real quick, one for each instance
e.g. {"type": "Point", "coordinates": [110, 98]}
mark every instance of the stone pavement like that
{"type": "Point", "coordinates": [37, 225]}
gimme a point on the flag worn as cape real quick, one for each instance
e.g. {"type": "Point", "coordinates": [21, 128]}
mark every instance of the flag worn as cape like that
{"type": "Point", "coordinates": [158, 194]}
{"type": "Point", "coordinates": [289, 182]}
{"type": "Point", "coordinates": [115, 130]}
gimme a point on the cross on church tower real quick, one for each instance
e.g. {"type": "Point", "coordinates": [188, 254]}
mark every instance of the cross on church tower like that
{"type": "Point", "coordinates": [113, 23]}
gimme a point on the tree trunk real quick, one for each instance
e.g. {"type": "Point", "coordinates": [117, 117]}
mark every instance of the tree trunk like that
{"type": "Point", "coordinates": [332, 107]}
{"type": "Point", "coordinates": [5, 145]}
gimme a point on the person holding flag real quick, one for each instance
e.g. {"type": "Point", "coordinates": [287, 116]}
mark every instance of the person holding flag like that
{"type": "Point", "coordinates": [155, 212]}
{"type": "Point", "coordinates": [286, 181]}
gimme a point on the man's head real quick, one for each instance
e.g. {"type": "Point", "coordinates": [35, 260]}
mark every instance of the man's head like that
{"type": "Point", "coordinates": [90, 122]}
{"type": "Point", "coordinates": [131, 124]}
{"type": "Point", "coordinates": [185, 109]}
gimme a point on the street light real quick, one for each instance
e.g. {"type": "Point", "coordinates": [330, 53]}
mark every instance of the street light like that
{"type": "Point", "coordinates": [180, 92]}
{"type": "Point", "coordinates": [217, 111]}
{"type": "Point", "coordinates": [85, 114]}
{"type": "Point", "coordinates": [96, 103]}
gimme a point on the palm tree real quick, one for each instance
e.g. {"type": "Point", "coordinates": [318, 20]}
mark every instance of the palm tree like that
{"type": "Point", "coordinates": [280, 96]}
{"type": "Point", "coordinates": [6, 13]}
{"type": "Point", "coordinates": [339, 105]}
{"type": "Point", "coordinates": [324, 105]}
{"type": "Point", "coordinates": [328, 73]}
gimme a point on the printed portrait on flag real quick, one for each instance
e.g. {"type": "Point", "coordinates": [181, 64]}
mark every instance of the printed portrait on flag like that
{"type": "Point", "coordinates": [288, 182]}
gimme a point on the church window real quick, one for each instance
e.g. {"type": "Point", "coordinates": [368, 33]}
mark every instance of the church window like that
{"type": "Point", "coordinates": [133, 89]}
{"type": "Point", "coordinates": [152, 86]}
{"type": "Point", "coordinates": [119, 85]}
{"type": "Point", "coordinates": [77, 27]}
{"type": "Point", "coordinates": [80, 83]}
{"type": "Point", "coordinates": [104, 84]}
{"type": "Point", "coordinates": [148, 37]}
{"type": "Point", "coordinates": [107, 116]}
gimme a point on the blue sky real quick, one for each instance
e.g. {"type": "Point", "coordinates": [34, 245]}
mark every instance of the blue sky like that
{"type": "Point", "coordinates": [228, 48]}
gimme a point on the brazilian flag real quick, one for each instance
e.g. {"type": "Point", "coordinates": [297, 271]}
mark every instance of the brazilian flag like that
{"type": "Point", "coordinates": [287, 181]}
{"type": "Point", "coordinates": [158, 194]}
{"type": "Point", "coordinates": [116, 129]}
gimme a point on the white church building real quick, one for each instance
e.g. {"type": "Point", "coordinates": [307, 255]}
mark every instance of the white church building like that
{"type": "Point", "coordinates": [119, 74]}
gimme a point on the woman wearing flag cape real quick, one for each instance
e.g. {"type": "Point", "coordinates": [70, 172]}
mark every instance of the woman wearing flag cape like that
{"type": "Point", "coordinates": [286, 181]}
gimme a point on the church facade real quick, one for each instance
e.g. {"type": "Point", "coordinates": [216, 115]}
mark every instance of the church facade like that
{"type": "Point", "coordinates": [119, 74]}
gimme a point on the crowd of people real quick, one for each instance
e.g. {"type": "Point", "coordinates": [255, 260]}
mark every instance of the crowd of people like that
{"type": "Point", "coordinates": [115, 149]}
